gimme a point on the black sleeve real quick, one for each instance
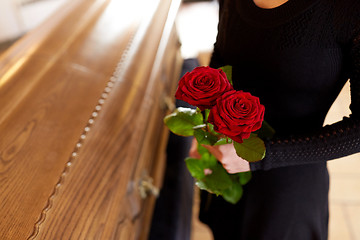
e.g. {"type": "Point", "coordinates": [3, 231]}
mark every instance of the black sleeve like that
{"type": "Point", "coordinates": [330, 142]}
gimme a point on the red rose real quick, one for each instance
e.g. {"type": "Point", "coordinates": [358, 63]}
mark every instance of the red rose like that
{"type": "Point", "coordinates": [237, 114]}
{"type": "Point", "coordinates": [202, 86]}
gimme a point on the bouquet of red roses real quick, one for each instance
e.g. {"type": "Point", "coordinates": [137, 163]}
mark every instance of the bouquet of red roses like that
{"type": "Point", "coordinates": [223, 116]}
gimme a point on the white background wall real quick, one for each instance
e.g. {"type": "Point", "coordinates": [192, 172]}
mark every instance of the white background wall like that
{"type": "Point", "coordinates": [11, 24]}
{"type": "Point", "coordinates": [19, 16]}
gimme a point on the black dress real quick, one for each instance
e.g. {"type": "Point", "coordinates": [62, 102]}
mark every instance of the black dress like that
{"type": "Point", "coordinates": [296, 58]}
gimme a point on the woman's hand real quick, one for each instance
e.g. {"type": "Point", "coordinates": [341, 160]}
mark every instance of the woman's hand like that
{"type": "Point", "coordinates": [193, 153]}
{"type": "Point", "coordinates": [225, 154]}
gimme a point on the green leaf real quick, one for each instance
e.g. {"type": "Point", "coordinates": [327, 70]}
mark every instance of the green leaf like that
{"type": "Point", "coordinates": [204, 137]}
{"type": "Point", "coordinates": [266, 131]}
{"type": "Point", "coordinates": [195, 167]}
{"type": "Point", "coordinates": [202, 185]}
{"type": "Point", "coordinates": [219, 180]}
{"type": "Point", "coordinates": [202, 151]}
{"type": "Point", "coordinates": [223, 141]}
{"type": "Point", "coordinates": [233, 194]}
{"type": "Point", "coordinates": [212, 131]}
{"type": "Point", "coordinates": [206, 114]}
{"type": "Point", "coordinates": [252, 149]}
{"type": "Point", "coordinates": [209, 160]}
{"type": "Point", "coordinates": [183, 120]}
{"type": "Point", "coordinates": [228, 71]}
{"type": "Point", "coordinates": [244, 177]}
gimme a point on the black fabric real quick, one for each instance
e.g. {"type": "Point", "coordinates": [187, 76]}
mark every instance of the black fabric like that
{"type": "Point", "coordinates": [282, 204]}
{"type": "Point", "coordinates": [296, 59]}
{"type": "Point", "coordinates": [173, 209]}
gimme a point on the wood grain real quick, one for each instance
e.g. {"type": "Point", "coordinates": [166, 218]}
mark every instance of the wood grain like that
{"type": "Point", "coordinates": [81, 120]}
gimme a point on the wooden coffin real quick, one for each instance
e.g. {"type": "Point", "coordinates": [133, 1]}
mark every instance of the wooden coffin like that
{"type": "Point", "coordinates": [82, 139]}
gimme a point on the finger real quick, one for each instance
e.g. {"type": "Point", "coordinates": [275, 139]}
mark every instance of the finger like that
{"type": "Point", "coordinates": [214, 151]}
{"type": "Point", "coordinates": [193, 153]}
{"type": "Point", "coordinates": [232, 162]}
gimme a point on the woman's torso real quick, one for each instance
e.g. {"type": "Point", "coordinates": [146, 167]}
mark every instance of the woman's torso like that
{"type": "Point", "coordinates": [289, 56]}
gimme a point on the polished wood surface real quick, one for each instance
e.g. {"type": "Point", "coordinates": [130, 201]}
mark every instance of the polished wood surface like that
{"type": "Point", "coordinates": [82, 102]}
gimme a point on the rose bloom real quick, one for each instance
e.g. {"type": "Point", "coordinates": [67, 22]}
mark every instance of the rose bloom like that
{"type": "Point", "coordinates": [202, 86]}
{"type": "Point", "coordinates": [237, 114]}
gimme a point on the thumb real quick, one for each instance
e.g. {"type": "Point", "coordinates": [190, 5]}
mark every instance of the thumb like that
{"type": "Point", "coordinates": [214, 150]}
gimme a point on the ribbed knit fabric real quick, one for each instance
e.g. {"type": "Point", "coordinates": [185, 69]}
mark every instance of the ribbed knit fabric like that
{"type": "Point", "coordinates": [296, 58]}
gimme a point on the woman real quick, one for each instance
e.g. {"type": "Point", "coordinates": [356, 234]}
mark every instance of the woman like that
{"type": "Point", "coordinates": [295, 55]}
